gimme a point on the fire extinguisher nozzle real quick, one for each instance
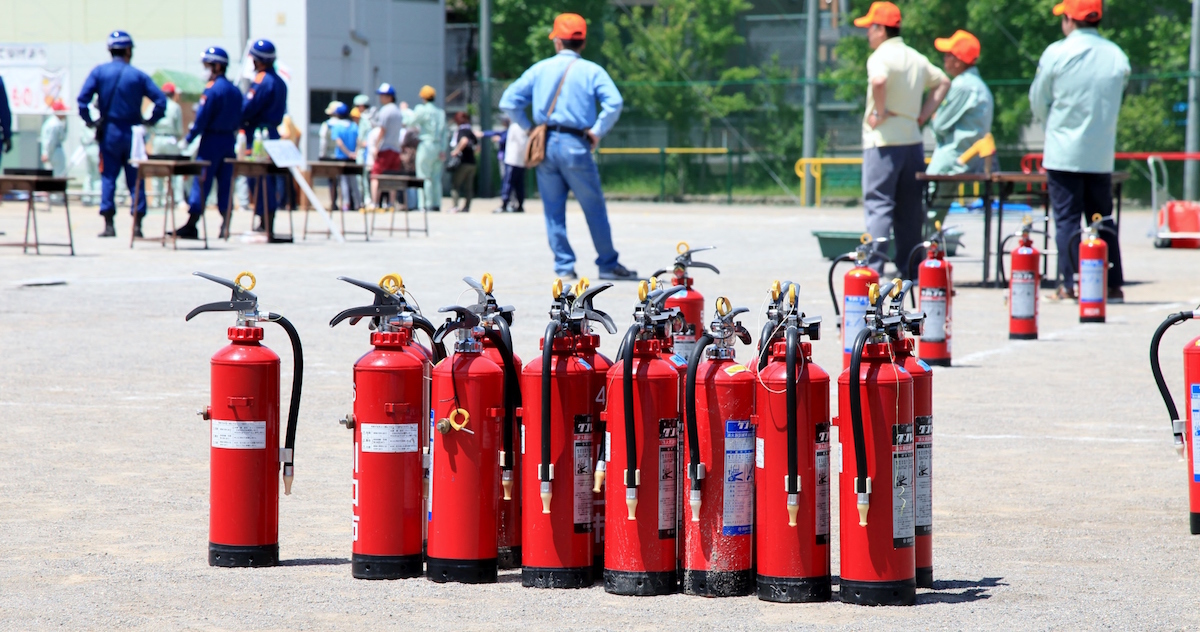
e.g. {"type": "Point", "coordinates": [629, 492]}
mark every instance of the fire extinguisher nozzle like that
{"type": "Point", "coordinates": [695, 502]}
{"type": "Point", "coordinates": [631, 502]}
{"type": "Point", "coordinates": [546, 495]}
{"type": "Point", "coordinates": [507, 485]}
{"type": "Point", "coordinates": [793, 508]}
{"type": "Point", "coordinates": [288, 475]}
{"type": "Point", "coordinates": [600, 471]}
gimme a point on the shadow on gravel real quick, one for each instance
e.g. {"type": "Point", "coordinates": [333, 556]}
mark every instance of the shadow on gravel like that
{"type": "Point", "coordinates": [969, 590]}
{"type": "Point", "coordinates": [315, 561]}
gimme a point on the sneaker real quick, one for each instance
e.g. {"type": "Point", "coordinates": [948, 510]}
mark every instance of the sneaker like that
{"type": "Point", "coordinates": [184, 232]}
{"type": "Point", "coordinates": [1116, 295]}
{"type": "Point", "coordinates": [569, 275]}
{"type": "Point", "coordinates": [619, 273]}
{"type": "Point", "coordinates": [502, 209]}
{"type": "Point", "coordinates": [1064, 292]}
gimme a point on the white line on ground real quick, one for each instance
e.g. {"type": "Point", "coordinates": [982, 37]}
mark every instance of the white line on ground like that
{"type": "Point", "coordinates": [942, 435]}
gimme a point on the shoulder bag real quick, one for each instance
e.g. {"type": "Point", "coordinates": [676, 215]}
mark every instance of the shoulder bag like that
{"type": "Point", "coordinates": [535, 146]}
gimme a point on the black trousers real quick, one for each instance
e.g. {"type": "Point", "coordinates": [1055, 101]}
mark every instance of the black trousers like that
{"type": "Point", "coordinates": [1074, 198]}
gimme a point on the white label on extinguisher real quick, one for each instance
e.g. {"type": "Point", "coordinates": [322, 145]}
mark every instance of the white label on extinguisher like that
{"type": "Point", "coordinates": [1195, 399]}
{"type": "Point", "coordinates": [239, 435]}
{"type": "Point", "coordinates": [1091, 280]}
{"type": "Point", "coordinates": [582, 490]}
{"type": "Point", "coordinates": [522, 438]}
{"type": "Point", "coordinates": [685, 344]}
{"type": "Point", "coordinates": [924, 474]}
{"type": "Point", "coordinates": [1024, 294]}
{"type": "Point", "coordinates": [902, 486]}
{"type": "Point", "coordinates": [933, 303]}
{"type": "Point", "coordinates": [854, 318]}
{"type": "Point", "coordinates": [429, 472]}
{"type": "Point", "coordinates": [822, 463]}
{"type": "Point", "coordinates": [394, 438]}
{"type": "Point", "coordinates": [607, 446]}
{"type": "Point", "coordinates": [668, 450]}
{"type": "Point", "coordinates": [758, 453]}
{"type": "Point", "coordinates": [738, 511]}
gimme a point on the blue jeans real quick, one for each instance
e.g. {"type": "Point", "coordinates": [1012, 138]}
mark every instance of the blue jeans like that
{"type": "Point", "coordinates": [569, 167]}
{"type": "Point", "coordinates": [114, 156]}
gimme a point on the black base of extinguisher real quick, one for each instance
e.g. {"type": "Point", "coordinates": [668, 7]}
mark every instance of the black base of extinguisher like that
{"type": "Point", "coordinates": [901, 593]}
{"type": "Point", "coordinates": [1195, 520]}
{"type": "Point", "coordinates": [533, 577]}
{"type": "Point", "coordinates": [509, 557]}
{"type": "Point", "coordinates": [1032, 336]}
{"type": "Point", "coordinates": [385, 566]}
{"type": "Point", "coordinates": [794, 589]}
{"type": "Point", "coordinates": [242, 556]}
{"type": "Point", "coordinates": [718, 583]}
{"type": "Point", "coordinates": [640, 584]}
{"type": "Point", "coordinates": [925, 577]}
{"type": "Point", "coordinates": [598, 565]}
{"type": "Point", "coordinates": [461, 571]}
{"type": "Point", "coordinates": [937, 361]}
{"type": "Point", "coordinates": [1091, 319]}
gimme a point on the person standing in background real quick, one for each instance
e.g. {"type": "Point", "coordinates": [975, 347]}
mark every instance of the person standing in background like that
{"type": "Point", "coordinates": [389, 127]}
{"type": "Point", "coordinates": [263, 108]}
{"type": "Point", "coordinates": [893, 148]}
{"type": "Point", "coordinates": [165, 141]}
{"type": "Point", "coordinates": [345, 138]}
{"type": "Point", "coordinates": [119, 88]}
{"type": "Point", "coordinates": [1077, 93]}
{"type": "Point", "coordinates": [965, 116]}
{"type": "Point", "coordinates": [563, 92]}
{"type": "Point", "coordinates": [5, 120]}
{"type": "Point", "coordinates": [326, 146]}
{"type": "Point", "coordinates": [463, 148]}
{"type": "Point", "coordinates": [91, 154]}
{"type": "Point", "coordinates": [512, 179]}
{"type": "Point", "coordinates": [430, 121]}
{"type": "Point", "coordinates": [54, 133]}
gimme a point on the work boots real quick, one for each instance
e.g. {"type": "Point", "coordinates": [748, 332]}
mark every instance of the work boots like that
{"type": "Point", "coordinates": [137, 224]}
{"type": "Point", "coordinates": [109, 229]}
{"type": "Point", "coordinates": [188, 230]}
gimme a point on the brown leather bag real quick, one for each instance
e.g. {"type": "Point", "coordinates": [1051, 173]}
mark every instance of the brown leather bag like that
{"type": "Point", "coordinates": [535, 147]}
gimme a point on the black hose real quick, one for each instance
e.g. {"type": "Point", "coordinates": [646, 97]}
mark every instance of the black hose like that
{"type": "Point", "coordinates": [833, 293]}
{"type": "Point", "coordinates": [510, 400]}
{"type": "Point", "coordinates": [547, 371]}
{"type": "Point", "coordinates": [621, 347]}
{"type": "Point", "coordinates": [1000, 260]}
{"type": "Point", "coordinates": [289, 441]}
{"type": "Point", "coordinates": [856, 420]}
{"type": "Point", "coordinates": [907, 273]}
{"type": "Point", "coordinates": [764, 343]}
{"type": "Point", "coordinates": [793, 464]}
{"type": "Point", "coordinates": [420, 323]}
{"type": "Point", "coordinates": [692, 426]}
{"type": "Point", "coordinates": [1156, 369]}
{"type": "Point", "coordinates": [630, 429]}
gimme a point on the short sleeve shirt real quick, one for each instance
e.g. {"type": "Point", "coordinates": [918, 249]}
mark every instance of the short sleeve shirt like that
{"type": "Point", "coordinates": [390, 120]}
{"type": "Point", "coordinates": [909, 74]}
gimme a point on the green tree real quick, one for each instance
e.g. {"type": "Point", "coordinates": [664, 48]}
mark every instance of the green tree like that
{"type": "Point", "coordinates": [521, 29]}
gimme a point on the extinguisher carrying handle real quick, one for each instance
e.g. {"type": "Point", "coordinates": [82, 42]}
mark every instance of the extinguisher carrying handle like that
{"type": "Point", "coordinates": [695, 471]}
{"type": "Point", "coordinates": [289, 443]}
{"type": "Point", "coordinates": [241, 299]}
{"type": "Point", "coordinates": [1172, 320]}
{"type": "Point", "coordinates": [486, 303]}
{"type": "Point", "coordinates": [466, 320]}
{"type": "Point", "coordinates": [582, 308]}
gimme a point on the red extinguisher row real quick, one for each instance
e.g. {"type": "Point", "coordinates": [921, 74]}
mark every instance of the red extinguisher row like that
{"type": "Point", "coordinates": [654, 473]}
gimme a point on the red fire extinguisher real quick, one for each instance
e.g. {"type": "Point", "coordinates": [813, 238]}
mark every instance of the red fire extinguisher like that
{"type": "Point", "coordinates": [792, 458]}
{"type": "Point", "coordinates": [719, 441]}
{"type": "Point", "coordinates": [854, 290]}
{"type": "Point", "coordinates": [391, 405]}
{"type": "Point", "coordinates": [468, 399]}
{"type": "Point", "coordinates": [1024, 284]}
{"type": "Point", "coordinates": [876, 525]}
{"type": "Point", "coordinates": [643, 442]}
{"type": "Point", "coordinates": [495, 320]}
{"type": "Point", "coordinates": [936, 281]}
{"type": "Point", "coordinates": [1093, 271]}
{"type": "Point", "coordinates": [243, 526]}
{"type": "Point", "coordinates": [558, 511]}
{"type": "Point", "coordinates": [689, 301]}
{"type": "Point", "coordinates": [1186, 431]}
{"type": "Point", "coordinates": [904, 349]}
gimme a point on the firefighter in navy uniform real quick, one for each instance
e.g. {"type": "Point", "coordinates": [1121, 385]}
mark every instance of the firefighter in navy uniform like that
{"type": "Point", "coordinates": [217, 122]}
{"type": "Point", "coordinates": [119, 89]}
{"type": "Point", "coordinates": [263, 108]}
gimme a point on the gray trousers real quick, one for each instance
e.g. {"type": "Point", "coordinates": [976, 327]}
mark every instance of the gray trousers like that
{"type": "Point", "coordinates": [892, 198]}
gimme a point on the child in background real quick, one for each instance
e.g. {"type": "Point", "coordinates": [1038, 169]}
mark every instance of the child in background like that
{"type": "Point", "coordinates": [345, 136]}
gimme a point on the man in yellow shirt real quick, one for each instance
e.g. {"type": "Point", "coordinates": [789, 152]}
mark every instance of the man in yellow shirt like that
{"type": "Point", "coordinates": [893, 150]}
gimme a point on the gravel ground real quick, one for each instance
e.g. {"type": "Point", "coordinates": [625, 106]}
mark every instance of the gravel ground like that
{"type": "Point", "coordinates": [1059, 500]}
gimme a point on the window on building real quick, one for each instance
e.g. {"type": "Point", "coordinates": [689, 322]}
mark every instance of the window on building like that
{"type": "Point", "coordinates": [318, 100]}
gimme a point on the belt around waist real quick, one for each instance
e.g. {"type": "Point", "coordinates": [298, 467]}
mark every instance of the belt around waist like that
{"type": "Point", "coordinates": [567, 130]}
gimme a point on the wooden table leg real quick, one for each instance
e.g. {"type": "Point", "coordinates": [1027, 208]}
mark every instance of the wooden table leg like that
{"type": "Point", "coordinates": [31, 215]}
{"type": "Point", "coordinates": [70, 235]}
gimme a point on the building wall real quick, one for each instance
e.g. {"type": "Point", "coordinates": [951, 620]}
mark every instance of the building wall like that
{"type": "Point", "coordinates": [285, 23]}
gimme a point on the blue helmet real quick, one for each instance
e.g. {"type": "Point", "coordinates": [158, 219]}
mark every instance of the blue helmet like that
{"type": "Point", "coordinates": [263, 50]}
{"type": "Point", "coordinates": [386, 88]}
{"type": "Point", "coordinates": [119, 40]}
{"type": "Point", "coordinates": [215, 55]}
{"type": "Point", "coordinates": [342, 111]}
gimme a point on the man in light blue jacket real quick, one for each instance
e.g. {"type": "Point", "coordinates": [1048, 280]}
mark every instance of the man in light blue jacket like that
{"type": "Point", "coordinates": [1077, 92]}
{"type": "Point", "coordinates": [574, 128]}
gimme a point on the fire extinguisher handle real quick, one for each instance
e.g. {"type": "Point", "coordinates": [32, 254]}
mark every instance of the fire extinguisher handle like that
{"type": "Point", "coordinates": [382, 296]}
{"type": "Point", "coordinates": [466, 320]}
{"type": "Point", "coordinates": [366, 311]}
{"type": "Point", "coordinates": [706, 266]}
{"type": "Point", "coordinates": [239, 292]}
{"type": "Point", "coordinates": [583, 308]}
{"type": "Point", "coordinates": [224, 306]}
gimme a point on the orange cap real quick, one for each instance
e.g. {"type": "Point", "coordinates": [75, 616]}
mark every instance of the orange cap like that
{"type": "Point", "coordinates": [962, 45]}
{"type": "Point", "coordinates": [569, 26]}
{"type": "Point", "coordinates": [1082, 10]}
{"type": "Point", "coordinates": [884, 13]}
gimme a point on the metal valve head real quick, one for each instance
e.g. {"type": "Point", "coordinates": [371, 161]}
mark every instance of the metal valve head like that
{"type": "Point", "coordinates": [466, 319]}
{"type": "Point", "coordinates": [582, 308]}
{"type": "Point", "coordinates": [485, 303]}
{"type": "Point", "coordinates": [389, 300]}
{"type": "Point", "coordinates": [683, 260]}
{"type": "Point", "coordinates": [241, 300]}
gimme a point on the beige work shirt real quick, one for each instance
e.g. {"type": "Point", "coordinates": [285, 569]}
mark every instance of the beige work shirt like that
{"type": "Point", "coordinates": [909, 74]}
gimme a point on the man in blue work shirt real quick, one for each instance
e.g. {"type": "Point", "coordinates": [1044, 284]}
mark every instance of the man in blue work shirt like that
{"type": "Point", "coordinates": [263, 108]}
{"type": "Point", "coordinates": [573, 131]}
{"type": "Point", "coordinates": [217, 121]}
{"type": "Point", "coordinates": [119, 89]}
{"type": "Point", "coordinates": [5, 119]}
{"type": "Point", "coordinates": [1077, 92]}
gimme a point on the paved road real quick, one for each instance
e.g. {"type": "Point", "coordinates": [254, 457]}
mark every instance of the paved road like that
{"type": "Point", "coordinates": [1059, 500]}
